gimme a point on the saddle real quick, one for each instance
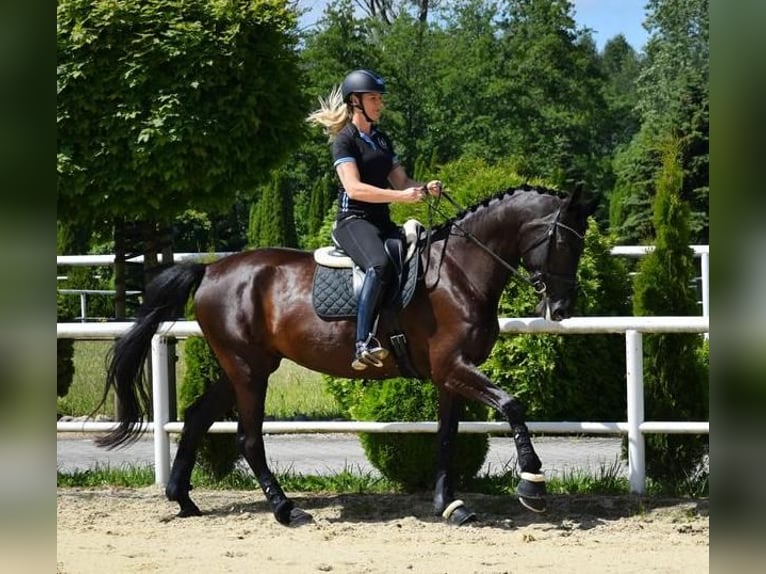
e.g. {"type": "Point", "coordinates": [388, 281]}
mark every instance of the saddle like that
{"type": "Point", "coordinates": [338, 281]}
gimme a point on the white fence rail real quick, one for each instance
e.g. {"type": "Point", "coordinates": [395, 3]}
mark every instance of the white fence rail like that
{"type": "Point", "coordinates": [701, 251]}
{"type": "Point", "coordinates": [635, 427]}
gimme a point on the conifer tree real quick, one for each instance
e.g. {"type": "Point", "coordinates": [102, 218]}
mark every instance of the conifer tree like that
{"type": "Point", "coordinates": [676, 385]}
{"type": "Point", "coordinates": [319, 203]}
{"type": "Point", "coordinates": [271, 218]}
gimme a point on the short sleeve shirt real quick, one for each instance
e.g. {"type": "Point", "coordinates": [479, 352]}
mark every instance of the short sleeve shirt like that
{"type": "Point", "coordinates": [375, 158]}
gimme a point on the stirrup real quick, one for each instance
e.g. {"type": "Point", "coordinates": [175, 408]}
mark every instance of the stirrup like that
{"type": "Point", "coordinates": [369, 353]}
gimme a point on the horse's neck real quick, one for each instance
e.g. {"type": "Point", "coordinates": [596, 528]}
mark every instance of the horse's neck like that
{"type": "Point", "coordinates": [487, 274]}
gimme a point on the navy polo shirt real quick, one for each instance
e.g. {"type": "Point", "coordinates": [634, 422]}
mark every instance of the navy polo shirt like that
{"type": "Point", "coordinates": [375, 158]}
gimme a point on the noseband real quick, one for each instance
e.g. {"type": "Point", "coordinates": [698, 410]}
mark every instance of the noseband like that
{"type": "Point", "coordinates": [538, 280]}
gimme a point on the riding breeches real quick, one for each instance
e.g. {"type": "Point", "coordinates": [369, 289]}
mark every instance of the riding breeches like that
{"type": "Point", "coordinates": [363, 243]}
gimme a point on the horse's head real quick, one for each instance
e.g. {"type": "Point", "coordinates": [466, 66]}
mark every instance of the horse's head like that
{"type": "Point", "coordinates": [551, 250]}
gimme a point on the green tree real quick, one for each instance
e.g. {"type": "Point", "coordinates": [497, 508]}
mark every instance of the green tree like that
{"type": "Point", "coordinates": [553, 103]}
{"type": "Point", "coordinates": [675, 379]}
{"type": "Point", "coordinates": [673, 98]}
{"type": "Point", "coordinates": [321, 201]}
{"type": "Point", "coordinates": [163, 104]}
{"type": "Point", "coordinates": [464, 100]}
{"type": "Point", "coordinates": [621, 65]}
{"type": "Point", "coordinates": [271, 218]}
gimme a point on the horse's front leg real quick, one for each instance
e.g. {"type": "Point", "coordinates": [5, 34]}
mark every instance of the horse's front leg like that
{"type": "Point", "coordinates": [466, 380]}
{"type": "Point", "coordinates": [445, 503]}
{"type": "Point", "coordinates": [213, 404]}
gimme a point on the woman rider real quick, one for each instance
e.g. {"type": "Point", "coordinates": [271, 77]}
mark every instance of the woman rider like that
{"type": "Point", "coordinates": [371, 178]}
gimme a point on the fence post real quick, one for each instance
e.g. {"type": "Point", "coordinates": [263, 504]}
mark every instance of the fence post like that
{"type": "Point", "coordinates": [83, 308]}
{"type": "Point", "coordinates": [160, 403]}
{"type": "Point", "coordinates": [634, 364]}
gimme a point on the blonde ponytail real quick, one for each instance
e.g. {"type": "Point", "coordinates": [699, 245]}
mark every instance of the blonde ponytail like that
{"type": "Point", "coordinates": [332, 115]}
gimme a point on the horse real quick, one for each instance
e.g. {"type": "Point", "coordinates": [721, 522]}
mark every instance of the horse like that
{"type": "Point", "coordinates": [255, 309]}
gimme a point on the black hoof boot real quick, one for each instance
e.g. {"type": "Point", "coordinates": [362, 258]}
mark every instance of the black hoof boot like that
{"type": "Point", "coordinates": [288, 515]}
{"type": "Point", "coordinates": [188, 508]}
{"type": "Point", "coordinates": [180, 495]}
{"type": "Point", "coordinates": [531, 491]}
{"type": "Point", "coordinates": [458, 513]}
{"type": "Point", "coordinates": [299, 517]}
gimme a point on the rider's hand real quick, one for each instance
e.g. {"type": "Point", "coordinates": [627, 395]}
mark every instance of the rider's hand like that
{"type": "Point", "coordinates": [434, 187]}
{"type": "Point", "coordinates": [412, 194]}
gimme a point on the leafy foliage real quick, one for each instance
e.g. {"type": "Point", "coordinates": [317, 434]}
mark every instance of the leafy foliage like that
{"type": "Point", "coordinates": [554, 124]}
{"type": "Point", "coordinates": [271, 218]}
{"type": "Point", "coordinates": [673, 98]}
{"type": "Point", "coordinates": [164, 102]}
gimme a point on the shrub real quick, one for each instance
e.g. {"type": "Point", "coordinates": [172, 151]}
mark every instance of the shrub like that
{"type": "Point", "coordinates": [64, 350]}
{"type": "Point", "coordinates": [218, 453]}
{"type": "Point", "coordinates": [408, 459]}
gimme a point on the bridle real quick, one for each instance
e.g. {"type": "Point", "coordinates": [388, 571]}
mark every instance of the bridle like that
{"type": "Point", "coordinates": [539, 279]}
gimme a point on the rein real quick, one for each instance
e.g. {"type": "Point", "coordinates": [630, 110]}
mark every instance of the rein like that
{"type": "Point", "coordinates": [536, 281]}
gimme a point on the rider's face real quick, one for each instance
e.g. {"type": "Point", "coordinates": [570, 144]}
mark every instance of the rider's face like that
{"type": "Point", "coordinates": [373, 105]}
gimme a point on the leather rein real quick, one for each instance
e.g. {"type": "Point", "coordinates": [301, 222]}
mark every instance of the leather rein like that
{"type": "Point", "coordinates": [538, 280]}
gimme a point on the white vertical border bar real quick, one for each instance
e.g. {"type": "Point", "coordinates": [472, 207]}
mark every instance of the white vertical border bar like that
{"type": "Point", "coordinates": [161, 408]}
{"type": "Point", "coordinates": [634, 363]}
{"type": "Point", "coordinates": [705, 272]}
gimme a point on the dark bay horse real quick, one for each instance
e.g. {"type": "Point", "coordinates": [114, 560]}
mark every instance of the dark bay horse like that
{"type": "Point", "coordinates": [255, 308]}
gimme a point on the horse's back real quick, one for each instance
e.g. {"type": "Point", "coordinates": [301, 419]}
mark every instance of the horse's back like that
{"type": "Point", "coordinates": [243, 287]}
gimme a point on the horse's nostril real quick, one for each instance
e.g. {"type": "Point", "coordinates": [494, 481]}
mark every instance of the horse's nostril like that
{"type": "Point", "coordinates": [558, 314]}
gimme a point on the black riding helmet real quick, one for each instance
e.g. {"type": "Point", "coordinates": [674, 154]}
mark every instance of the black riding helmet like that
{"type": "Point", "coordinates": [362, 81]}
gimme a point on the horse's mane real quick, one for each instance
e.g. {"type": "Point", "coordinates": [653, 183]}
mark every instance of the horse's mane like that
{"type": "Point", "coordinates": [444, 228]}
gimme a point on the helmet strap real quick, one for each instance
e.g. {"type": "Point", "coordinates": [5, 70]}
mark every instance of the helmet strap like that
{"type": "Point", "coordinates": [360, 106]}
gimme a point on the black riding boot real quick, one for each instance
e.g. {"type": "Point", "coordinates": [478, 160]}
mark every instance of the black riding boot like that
{"type": "Point", "coordinates": [368, 349]}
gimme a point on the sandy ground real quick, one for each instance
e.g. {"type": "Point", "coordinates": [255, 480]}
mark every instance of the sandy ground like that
{"type": "Point", "coordinates": [135, 530]}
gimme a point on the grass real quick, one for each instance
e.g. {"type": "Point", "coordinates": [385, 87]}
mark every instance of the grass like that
{"type": "Point", "coordinates": [608, 481]}
{"type": "Point", "coordinates": [137, 476]}
{"type": "Point", "coordinates": [293, 390]}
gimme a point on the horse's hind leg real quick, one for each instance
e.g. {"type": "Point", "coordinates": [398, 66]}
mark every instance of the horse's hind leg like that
{"type": "Point", "coordinates": [251, 401]}
{"type": "Point", "coordinates": [445, 504]}
{"type": "Point", "coordinates": [213, 404]}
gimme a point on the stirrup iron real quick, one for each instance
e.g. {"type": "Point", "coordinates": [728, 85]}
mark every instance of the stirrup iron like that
{"type": "Point", "coordinates": [369, 353]}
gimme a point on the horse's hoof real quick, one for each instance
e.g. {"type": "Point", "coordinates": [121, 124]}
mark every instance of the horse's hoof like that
{"type": "Point", "coordinates": [299, 517]}
{"type": "Point", "coordinates": [533, 504]}
{"type": "Point", "coordinates": [531, 491]}
{"type": "Point", "coordinates": [458, 513]}
{"type": "Point", "coordinates": [189, 509]}
{"type": "Point", "coordinates": [287, 514]}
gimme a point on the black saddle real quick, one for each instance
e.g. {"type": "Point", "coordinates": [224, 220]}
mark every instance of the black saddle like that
{"type": "Point", "coordinates": [338, 281]}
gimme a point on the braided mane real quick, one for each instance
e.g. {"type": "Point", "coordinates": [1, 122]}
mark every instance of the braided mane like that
{"type": "Point", "coordinates": [500, 195]}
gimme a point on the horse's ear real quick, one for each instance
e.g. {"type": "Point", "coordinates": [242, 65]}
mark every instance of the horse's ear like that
{"type": "Point", "coordinates": [575, 198]}
{"type": "Point", "coordinates": [578, 200]}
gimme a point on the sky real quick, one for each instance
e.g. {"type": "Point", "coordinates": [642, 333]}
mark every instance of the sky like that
{"type": "Point", "coordinates": [606, 18]}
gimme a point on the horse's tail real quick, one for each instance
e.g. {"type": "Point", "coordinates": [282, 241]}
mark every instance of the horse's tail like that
{"type": "Point", "coordinates": [164, 300]}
